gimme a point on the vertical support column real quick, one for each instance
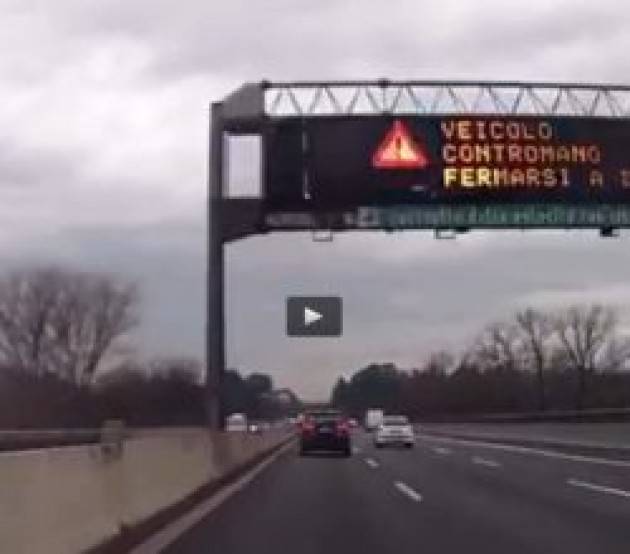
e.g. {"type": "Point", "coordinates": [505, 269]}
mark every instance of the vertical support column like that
{"type": "Point", "coordinates": [215, 320]}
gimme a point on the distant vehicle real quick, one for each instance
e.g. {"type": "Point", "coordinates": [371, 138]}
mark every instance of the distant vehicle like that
{"type": "Point", "coordinates": [255, 428]}
{"type": "Point", "coordinates": [325, 430]}
{"type": "Point", "coordinates": [373, 418]}
{"type": "Point", "coordinates": [236, 423]}
{"type": "Point", "coordinates": [353, 423]}
{"type": "Point", "coordinates": [394, 430]}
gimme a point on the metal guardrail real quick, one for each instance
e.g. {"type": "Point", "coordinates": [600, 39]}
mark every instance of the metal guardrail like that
{"type": "Point", "coordinates": [603, 415]}
{"type": "Point", "coordinates": [15, 440]}
{"type": "Point", "coordinates": [110, 436]}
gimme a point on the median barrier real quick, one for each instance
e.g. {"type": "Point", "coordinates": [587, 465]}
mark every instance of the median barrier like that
{"type": "Point", "coordinates": [73, 498]}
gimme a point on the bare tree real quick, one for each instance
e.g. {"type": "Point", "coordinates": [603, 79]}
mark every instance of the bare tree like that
{"type": "Point", "coordinates": [97, 311]}
{"type": "Point", "coordinates": [63, 322]}
{"type": "Point", "coordinates": [183, 368]}
{"type": "Point", "coordinates": [27, 301]}
{"type": "Point", "coordinates": [616, 354]}
{"type": "Point", "coordinates": [440, 362]}
{"type": "Point", "coordinates": [584, 333]}
{"type": "Point", "coordinates": [537, 332]}
{"type": "Point", "coordinates": [498, 347]}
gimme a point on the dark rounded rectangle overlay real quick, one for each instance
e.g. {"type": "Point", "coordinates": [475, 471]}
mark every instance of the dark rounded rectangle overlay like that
{"type": "Point", "coordinates": [330, 308]}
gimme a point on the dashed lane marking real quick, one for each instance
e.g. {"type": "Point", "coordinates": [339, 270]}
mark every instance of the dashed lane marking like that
{"type": "Point", "coordinates": [598, 488]}
{"type": "Point", "coordinates": [408, 491]}
{"type": "Point", "coordinates": [527, 450]}
{"type": "Point", "coordinates": [485, 462]}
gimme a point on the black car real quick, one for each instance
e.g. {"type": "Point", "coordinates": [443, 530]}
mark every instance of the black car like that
{"type": "Point", "coordinates": [326, 431]}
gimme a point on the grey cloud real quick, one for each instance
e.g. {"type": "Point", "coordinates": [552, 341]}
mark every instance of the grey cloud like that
{"type": "Point", "coordinates": [32, 167]}
{"type": "Point", "coordinates": [242, 41]}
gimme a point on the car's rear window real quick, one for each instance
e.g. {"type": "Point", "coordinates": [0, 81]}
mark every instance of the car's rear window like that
{"type": "Point", "coordinates": [395, 420]}
{"type": "Point", "coordinates": [324, 416]}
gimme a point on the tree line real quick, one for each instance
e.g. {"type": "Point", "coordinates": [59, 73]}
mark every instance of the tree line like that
{"type": "Point", "coordinates": [569, 359]}
{"type": "Point", "coordinates": [161, 392]}
{"type": "Point", "coordinates": [64, 360]}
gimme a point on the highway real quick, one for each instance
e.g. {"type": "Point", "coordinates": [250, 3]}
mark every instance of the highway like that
{"type": "Point", "coordinates": [446, 496]}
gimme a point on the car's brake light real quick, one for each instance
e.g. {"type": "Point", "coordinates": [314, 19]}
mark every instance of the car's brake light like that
{"type": "Point", "coordinates": [308, 426]}
{"type": "Point", "coordinates": [342, 427]}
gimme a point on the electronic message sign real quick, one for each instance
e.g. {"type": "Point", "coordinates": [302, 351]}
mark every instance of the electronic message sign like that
{"type": "Point", "coordinates": [349, 161]}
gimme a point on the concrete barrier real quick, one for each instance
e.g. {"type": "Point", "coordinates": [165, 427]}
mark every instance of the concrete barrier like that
{"type": "Point", "coordinates": [68, 499]}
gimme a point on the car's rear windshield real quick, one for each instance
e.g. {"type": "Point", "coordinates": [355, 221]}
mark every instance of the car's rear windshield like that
{"type": "Point", "coordinates": [324, 416]}
{"type": "Point", "coordinates": [395, 420]}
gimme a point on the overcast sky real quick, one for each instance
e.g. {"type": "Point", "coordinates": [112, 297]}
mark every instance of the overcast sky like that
{"type": "Point", "coordinates": [103, 145]}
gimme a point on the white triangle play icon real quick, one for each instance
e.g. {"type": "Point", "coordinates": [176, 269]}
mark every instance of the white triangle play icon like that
{"type": "Point", "coordinates": [311, 316]}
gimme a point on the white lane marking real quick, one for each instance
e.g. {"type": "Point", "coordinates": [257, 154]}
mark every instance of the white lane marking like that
{"type": "Point", "coordinates": [598, 488]}
{"type": "Point", "coordinates": [442, 451]}
{"type": "Point", "coordinates": [356, 450]}
{"type": "Point", "coordinates": [527, 450]}
{"type": "Point", "coordinates": [485, 462]}
{"type": "Point", "coordinates": [372, 463]}
{"type": "Point", "coordinates": [408, 491]}
{"type": "Point", "coordinates": [170, 533]}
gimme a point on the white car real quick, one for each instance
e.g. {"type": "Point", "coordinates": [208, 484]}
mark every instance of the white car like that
{"type": "Point", "coordinates": [394, 429]}
{"type": "Point", "coordinates": [236, 423]}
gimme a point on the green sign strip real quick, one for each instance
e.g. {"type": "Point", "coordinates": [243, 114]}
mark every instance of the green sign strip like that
{"type": "Point", "coordinates": [500, 216]}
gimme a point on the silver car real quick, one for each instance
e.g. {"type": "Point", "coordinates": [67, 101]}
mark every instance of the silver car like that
{"type": "Point", "coordinates": [394, 430]}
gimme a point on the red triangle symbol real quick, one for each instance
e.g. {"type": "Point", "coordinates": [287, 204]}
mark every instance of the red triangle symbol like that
{"type": "Point", "coordinates": [399, 150]}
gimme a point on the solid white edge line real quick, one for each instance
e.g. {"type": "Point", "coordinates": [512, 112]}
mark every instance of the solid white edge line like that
{"type": "Point", "coordinates": [528, 450]}
{"type": "Point", "coordinates": [169, 534]}
{"type": "Point", "coordinates": [372, 463]}
{"type": "Point", "coordinates": [408, 491]}
{"type": "Point", "coordinates": [598, 488]}
{"type": "Point", "coordinates": [484, 462]}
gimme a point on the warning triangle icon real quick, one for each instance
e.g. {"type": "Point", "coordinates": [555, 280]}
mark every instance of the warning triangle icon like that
{"type": "Point", "coordinates": [399, 150]}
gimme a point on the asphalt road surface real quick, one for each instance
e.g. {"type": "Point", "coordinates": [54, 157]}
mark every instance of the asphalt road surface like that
{"type": "Point", "coordinates": [445, 496]}
{"type": "Point", "coordinates": [616, 434]}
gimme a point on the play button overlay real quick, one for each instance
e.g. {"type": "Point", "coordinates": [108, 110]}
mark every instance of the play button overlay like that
{"type": "Point", "coordinates": [311, 316]}
{"type": "Point", "coordinates": [314, 316]}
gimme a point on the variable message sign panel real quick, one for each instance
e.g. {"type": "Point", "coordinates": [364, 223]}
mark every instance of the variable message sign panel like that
{"type": "Point", "coordinates": [346, 162]}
